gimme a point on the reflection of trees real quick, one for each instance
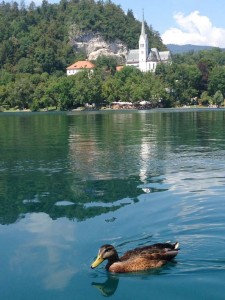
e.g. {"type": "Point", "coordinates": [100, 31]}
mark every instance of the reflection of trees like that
{"type": "Point", "coordinates": [32, 155]}
{"type": "Point", "coordinates": [89, 203]}
{"type": "Point", "coordinates": [96, 162]}
{"type": "Point", "coordinates": [35, 173]}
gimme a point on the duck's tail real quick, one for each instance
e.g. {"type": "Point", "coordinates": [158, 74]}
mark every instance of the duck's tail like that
{"type": "Point", "coordinates": [176, 246]}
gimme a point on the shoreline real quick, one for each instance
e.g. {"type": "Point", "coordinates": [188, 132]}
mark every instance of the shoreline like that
{"type": "Point", "coordinates": [183, 108]}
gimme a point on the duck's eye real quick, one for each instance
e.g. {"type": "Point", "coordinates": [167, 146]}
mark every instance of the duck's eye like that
{"type": "Point", "coordinates": [107, 249]}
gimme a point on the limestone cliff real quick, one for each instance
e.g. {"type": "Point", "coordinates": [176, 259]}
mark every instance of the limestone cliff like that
{"type": "Point", "coordinates": [94, 45]}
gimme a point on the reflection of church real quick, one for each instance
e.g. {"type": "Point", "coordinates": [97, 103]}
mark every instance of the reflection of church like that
{"type": "Point", "coordinates": [144, 59]}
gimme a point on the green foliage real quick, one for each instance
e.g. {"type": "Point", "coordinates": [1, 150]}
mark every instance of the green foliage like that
{"type": "Point", "coordinates": [205, 99]}
{"type": "Point", "coordinates": [218, 98]}
{"type": "Point", "coordinates": [217, 80]}
{"type": "Point", "coordinates": [106, 63]}
{"type": "Point", "coordinates": [37, 39]}
{"type": "Point", "coordinates": [35, 49]}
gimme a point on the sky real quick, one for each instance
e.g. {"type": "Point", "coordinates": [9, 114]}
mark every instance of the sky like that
{"type": "Point", "coordinates": [197, 22]}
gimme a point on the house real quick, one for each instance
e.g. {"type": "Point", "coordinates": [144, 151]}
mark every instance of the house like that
{"type": "Point", "coordinates": [79, 66]}
{"type": "Point", "coordinates": [119, 68]}
{"type": "Point", "coordinates": [142, 58]}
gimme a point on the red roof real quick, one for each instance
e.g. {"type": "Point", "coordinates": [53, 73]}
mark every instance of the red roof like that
{"type": "Point", "coordinates": [82, 64]}
{"type": "Point", "coordinates": [119, 68]}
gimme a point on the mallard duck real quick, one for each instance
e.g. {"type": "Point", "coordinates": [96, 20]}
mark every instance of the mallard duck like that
{"type": "Point", "coordinates": [138, 259]}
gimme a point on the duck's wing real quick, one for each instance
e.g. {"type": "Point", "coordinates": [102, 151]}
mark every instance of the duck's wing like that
{"type": "Point", "coordinates": [157, 251]}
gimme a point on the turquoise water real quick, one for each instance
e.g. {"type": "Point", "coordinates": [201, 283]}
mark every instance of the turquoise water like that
{"type": "Point", "coordinates": [72, 182]}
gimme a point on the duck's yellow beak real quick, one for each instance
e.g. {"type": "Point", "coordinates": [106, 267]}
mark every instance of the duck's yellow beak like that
{"type": "Point", "coordinates": [97, 262]}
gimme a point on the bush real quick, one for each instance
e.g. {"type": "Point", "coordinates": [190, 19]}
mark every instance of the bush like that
{"type": "Point", "coordinates": [35, 106]}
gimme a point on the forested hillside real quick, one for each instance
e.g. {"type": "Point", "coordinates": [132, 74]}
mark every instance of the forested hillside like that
{"type": "Point", "coordinates": [35, 48]}
{"type": "Point", "coordinates": [179, 49]}
{"type": "Point", "coordinates": [36, 39]}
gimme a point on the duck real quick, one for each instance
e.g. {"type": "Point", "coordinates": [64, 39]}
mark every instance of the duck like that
{"type": "Point", "coordinates": [138, 259]}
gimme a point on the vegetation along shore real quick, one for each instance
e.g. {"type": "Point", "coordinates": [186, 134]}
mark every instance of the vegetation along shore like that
{"type": "Point", "coordinates": [37, 44]}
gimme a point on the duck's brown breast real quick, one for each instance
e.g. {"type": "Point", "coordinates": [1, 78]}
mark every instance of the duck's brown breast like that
{"type": "Point", "coordinates": [135, 265]}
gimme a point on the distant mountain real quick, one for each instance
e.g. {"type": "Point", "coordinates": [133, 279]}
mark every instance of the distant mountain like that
{"type": "Point", "coordinates": [177, 49]}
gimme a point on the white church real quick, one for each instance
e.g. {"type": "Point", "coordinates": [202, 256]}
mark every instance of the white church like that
{"type": "Point", "coordinates": [142, 58]}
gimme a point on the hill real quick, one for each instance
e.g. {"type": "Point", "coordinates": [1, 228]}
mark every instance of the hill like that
{"type": "Point", "coordinates": [178, 49]}
{"type": "Point", "coordinates": [37, 39]}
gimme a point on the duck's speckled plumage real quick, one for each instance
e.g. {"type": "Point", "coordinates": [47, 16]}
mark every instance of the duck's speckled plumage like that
{"type": "Point", "coordinates": [138, 259]}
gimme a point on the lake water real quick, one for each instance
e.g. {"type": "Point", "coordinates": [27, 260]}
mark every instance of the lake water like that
{"type": "Point", "coordinates": [70, 182]}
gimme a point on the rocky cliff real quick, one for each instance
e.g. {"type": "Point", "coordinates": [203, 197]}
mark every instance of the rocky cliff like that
{"type": "Point", "coordinates": [94, 45]}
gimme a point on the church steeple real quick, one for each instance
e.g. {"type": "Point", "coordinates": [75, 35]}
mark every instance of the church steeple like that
{"type": "Point", "coordinates": [143, 25]}
{"type": "Point", "coordinates": [143, 47]}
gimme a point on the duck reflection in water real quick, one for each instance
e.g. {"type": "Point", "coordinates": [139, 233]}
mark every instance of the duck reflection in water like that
{"type": "Point", "coordinates": [108, 287]}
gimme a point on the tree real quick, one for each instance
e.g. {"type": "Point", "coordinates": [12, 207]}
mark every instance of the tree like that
{"type": "Point", "coordinates": [181, 80]}
{"type": "Point", "coordinates": [217, 80]}
{"type": "Point", "coordinates": [106, 63]}
{"type": "Point", "coordinates": [205, 98]}
{"type": "Point", "coordinates": [218, 98]}
{"type": "Point", "coordinates": [87, 88]}
{"type": "Point", "coordinates": [60, 92]}
{"type": "Point", "coordinates": [110, 88]}
{"type": "Point", "coordinates": [205, 66]}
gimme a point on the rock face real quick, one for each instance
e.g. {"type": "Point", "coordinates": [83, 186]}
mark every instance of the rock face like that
{"type": "Point", "coordinates": [94, 45]}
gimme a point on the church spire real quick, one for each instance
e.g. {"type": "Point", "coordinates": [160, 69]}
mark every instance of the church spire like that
{"type": "Point", "coordinates": [143, 24]}
{"type": "Point", "coordinates": [143, 47]}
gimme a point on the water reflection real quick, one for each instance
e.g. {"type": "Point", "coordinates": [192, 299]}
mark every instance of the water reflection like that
{"type": "Point", "coordinates": [44, 251]}
{"type": "Point", "coordinates": [69, 183]}
{"type": "Point", "coordinates": [109, 286]}
{"type": "Point", "coordinates": [147, 150]}
{"type": "Point", "coordinates": [84, 165]}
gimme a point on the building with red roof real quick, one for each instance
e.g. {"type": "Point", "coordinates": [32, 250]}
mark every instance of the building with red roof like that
{"type": "Point", "coordinates": [79, 66]}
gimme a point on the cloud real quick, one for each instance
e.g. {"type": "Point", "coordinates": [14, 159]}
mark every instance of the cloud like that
{"type": "Point", "coordinates": [48, 250]}
{"type": "Point", "coordinates": [194, 29]}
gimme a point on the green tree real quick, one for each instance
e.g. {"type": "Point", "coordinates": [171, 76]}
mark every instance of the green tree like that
{"type": "Point", "coordinates": [110, 88]}
{"type": "Point", "coordinates": [106, 63]}
{"type": "Point", "coordinates": [218, 98]}
{"type": "Point", "coordinates": [216, 80]}
{"type": "Point", "coordinates": [205, 99]}
{"type": "Point", "coordinates": [87, 88]}
{"type": "Point", "coordinates": [182, 81]}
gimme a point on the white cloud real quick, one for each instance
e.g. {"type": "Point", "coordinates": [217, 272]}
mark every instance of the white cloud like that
{"type": "Point", "coordinates": [50, 241]}
{"type": "Point", "coordinates": [194, 29]}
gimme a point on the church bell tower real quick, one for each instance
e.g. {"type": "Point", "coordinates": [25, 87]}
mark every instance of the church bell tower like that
{"type": "Point", "coordinates": [143, 48]}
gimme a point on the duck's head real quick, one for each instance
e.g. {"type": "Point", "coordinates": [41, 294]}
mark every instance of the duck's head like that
{"type": "Point", "coordinates": [105, 252]}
